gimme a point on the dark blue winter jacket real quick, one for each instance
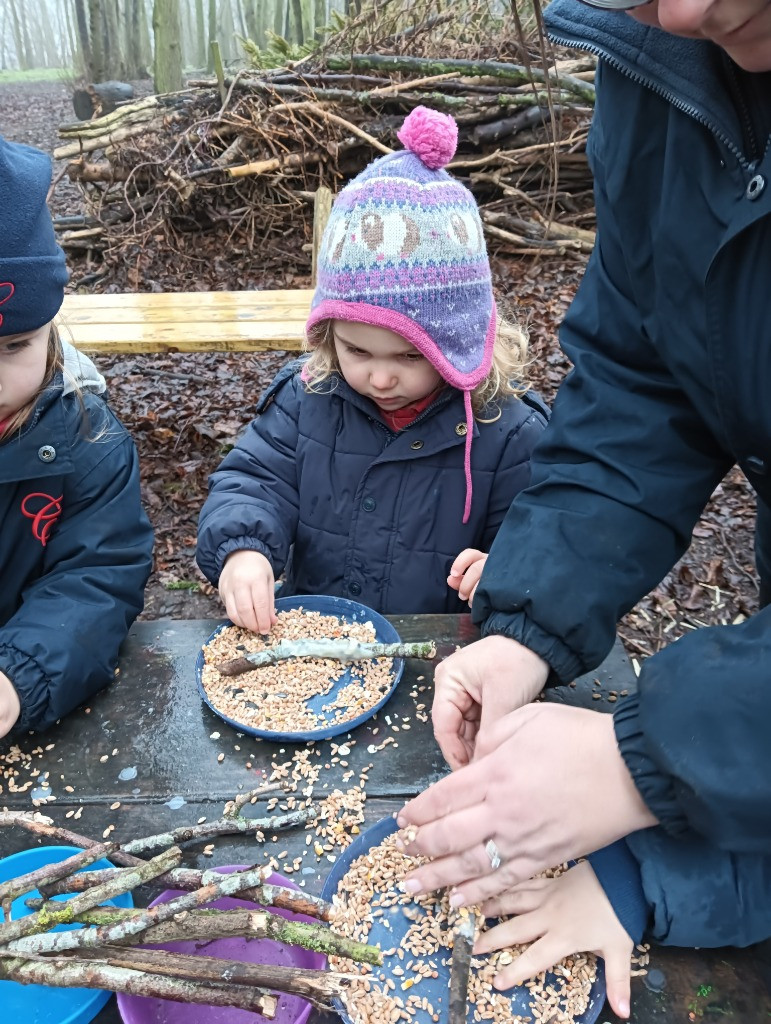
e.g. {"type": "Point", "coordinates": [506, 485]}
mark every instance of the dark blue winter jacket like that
{"type": "Point", "coordinates": [75, 548]}
{"type": "Point", "coordinates": [671, 345]}
{"type": "Point", "coordinates": [342, 505]}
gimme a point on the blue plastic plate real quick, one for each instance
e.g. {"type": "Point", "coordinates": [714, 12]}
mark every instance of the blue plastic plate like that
{"type": "Point", "coordinates": [349, 611]}
{"type": "Point", "coordinates": [390, 934]}
{"type": "Point", "coordinates": [38, 1004]}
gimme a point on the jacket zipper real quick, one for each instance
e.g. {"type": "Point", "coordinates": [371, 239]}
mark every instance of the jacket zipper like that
{"type": "Point", "coordinates": [741, 102]}
{"type": "Point", "coordinates": [670, 97]}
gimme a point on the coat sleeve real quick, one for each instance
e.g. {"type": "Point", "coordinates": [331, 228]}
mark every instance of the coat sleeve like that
{"type": "Point", "coordinates": [513, 472]}
{"type": "Point", "coordinates": [61, 646]}
{"type": "Point", "coordinates": [253, 497]}
{"type": "Point", "coordinates": [698, 895]}
{"type": "Point", "coordinates": [618, 481]}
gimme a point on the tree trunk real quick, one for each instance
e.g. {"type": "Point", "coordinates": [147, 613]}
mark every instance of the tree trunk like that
{"type": "Point", "coordinates": [96, 34]}
{"type": "Point", "coordinates": [84, 43]}
{"type": "Point", "coordinates": [200, 35]}
{"type": "Point", "coordinates": [279, 7]}
{"type": "Point", "coordinates": [168, 55]}
{"type": "Point", "coordinates": [297, 21]}
{"type": "Point", "coordinates": [212, 35]}
{"type": "Point", "coordinates": [319, 17]}
{"type": "Point", "coordinates": [115, 64]}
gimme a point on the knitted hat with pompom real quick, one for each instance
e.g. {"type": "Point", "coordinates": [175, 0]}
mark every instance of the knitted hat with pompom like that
{"type": "Point", "coordinates": [404, 249]}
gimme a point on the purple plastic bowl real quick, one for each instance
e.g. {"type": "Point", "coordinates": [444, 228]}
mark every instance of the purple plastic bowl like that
{"type": "Point", "coordinates": [290, 1010]}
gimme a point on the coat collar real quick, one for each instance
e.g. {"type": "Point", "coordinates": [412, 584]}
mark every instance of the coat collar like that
{"type": "Point", "coordinates": [685, 72]}
{"type": "Point", "coordinates": [44, 446]}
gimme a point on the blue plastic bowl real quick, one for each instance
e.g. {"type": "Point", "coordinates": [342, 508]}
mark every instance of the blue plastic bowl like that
{"type": "Point", "coordinates": [350, 611]}
{"type": "Point", "coordinates": [389, 930]}
{"type": "Point", "coordinates": [38, 1004]}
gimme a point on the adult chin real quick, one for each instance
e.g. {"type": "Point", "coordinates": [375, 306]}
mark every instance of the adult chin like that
{"type": "Point", "coordinates": [749, 46]}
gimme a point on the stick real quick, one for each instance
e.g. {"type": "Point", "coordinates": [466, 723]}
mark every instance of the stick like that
{"type": "Point", "coordinates": [116, 979]}
{"type": "Point", "coordinates": [51, 914]}
{"type": "Point", "coordinates": [460, 967]}
{"type": "Point", "coordinates": [221, 827]}
{"type": "Point", "coordinates": [314, 985]}
{"type": "Point", "coordinates": [337, 650]}
{"type": "Point", "coordinates": [208, 925]}
{"type": "Point", "coordinates": [15, 887]}
{"type": "Point", "coordinates": [180, 878]}
{"type": "Point", "coordinates": [125, 931]}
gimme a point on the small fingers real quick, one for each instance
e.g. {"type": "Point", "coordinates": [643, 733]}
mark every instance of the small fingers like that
{"type": "Point", "coordinates": [466, 558]}
{"type": "Point", "coordinates": [478, 891]}
{"type": "Point", "coordinates": [512, 901]}
{"type": "Point", "coordinates": [470, 580]}
{"type": "Point", "coordinates": [541, 956]}
{"type": "Point", "coordinates": [530, 926]}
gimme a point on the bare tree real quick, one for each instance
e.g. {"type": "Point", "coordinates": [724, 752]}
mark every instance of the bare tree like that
{"type": "Point", "coordinates": [168, 55]}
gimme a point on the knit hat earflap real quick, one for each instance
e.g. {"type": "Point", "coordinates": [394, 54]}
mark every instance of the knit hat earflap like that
{"type": "Point", "coordinates": [32, 266]}
{"type": "Point", "coordinates": [404, 249]}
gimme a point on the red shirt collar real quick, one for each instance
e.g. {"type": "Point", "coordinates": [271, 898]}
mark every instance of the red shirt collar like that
{"type": "Point", "coordinates": [401, 418]}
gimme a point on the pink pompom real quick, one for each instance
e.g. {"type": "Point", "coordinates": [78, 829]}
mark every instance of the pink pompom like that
{"type": "Point", "coordinates": [430, 135]}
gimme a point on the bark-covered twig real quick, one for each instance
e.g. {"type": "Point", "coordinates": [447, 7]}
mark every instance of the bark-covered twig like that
{"type": "Point", "coordinates": [118, 979]}
{"type": "Point", "coordinates": [15, 887]}
{"type": "Point", "coordinates": [336, 650]}
{"type": "Point", "coordinates": [267, 895]}
{"type": "Point", "coordinates": [52, 914]}
{"type": "Point", "coordinates": [208, 925]}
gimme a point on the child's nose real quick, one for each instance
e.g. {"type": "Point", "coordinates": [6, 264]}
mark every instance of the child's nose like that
{"type": "Point", "coordinates": [382, 378]}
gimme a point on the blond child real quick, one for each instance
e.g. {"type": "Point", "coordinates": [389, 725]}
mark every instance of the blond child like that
{"type": "Point", "coordinates": [403, 438]}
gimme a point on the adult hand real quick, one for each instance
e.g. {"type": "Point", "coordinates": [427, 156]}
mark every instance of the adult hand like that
{"type": "Point", "coordinates": [553, 787]}
{"type": "Point", "coordinates": [477, 686]}
{"type": "Point", "coordinates": [247, 589]}
{"type": "Point", "coordinates": [560, 916]}
{"type": "Point", "coordinates": [465, 573]}
{"type": "Point", "coordinates": [10, 706]}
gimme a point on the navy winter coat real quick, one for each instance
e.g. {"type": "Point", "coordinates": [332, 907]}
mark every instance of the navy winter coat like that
{"type": "Point", "coordinates": [344, 506]}
{"type": "Point", "coordinates": [671, 345]}
{"type": "Point", "coordinates": [75, 549]}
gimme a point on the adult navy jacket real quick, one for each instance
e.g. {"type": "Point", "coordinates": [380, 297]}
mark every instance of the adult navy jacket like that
{"type": "Point", "coordinates": [344, 506]}
{"type": "Point", "coordinates": [75, 548]}
{"type": "Point", "coordinates": [671, 345]}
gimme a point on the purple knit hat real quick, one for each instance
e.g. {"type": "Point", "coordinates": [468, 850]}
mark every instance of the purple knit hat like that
{"type": "Point", "coordinates": [404, 249]}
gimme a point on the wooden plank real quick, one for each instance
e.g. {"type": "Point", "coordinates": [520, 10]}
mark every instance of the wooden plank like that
{"type": "Point", "coordinates": [185, 337]}
{"type": "Point", "coordinates": [143, 301]}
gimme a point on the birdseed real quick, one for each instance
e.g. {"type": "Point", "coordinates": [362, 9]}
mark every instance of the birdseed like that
{"type": "Point", "coordinates": [275, 698]}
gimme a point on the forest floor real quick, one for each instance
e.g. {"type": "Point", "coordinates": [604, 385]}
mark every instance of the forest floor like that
{"type": "Point", "coordinates": [184, 410]}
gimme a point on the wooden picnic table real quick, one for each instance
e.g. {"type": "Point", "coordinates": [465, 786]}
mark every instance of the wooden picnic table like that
{"type": "Point", "coordinates": [166, 752]}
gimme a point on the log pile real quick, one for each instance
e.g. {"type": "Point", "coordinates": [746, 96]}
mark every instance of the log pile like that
{"type": "Point", "coordinates": [103, 951]}
{"type": "Point", "coordinates": [243, 156]}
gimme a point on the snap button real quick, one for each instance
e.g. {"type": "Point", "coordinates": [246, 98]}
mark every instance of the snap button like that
{"type": "Point", "coordinates": [461, 430]}
{"type": "Point", "coordinates": [756, 187]}
{"type": "Point", "coordinates": [756, 464]}
{"type": "Point", "coordinates": [354, 588]}
{"type": "Point", "coordinates": [416, 445]}
{"type": "Point", "coordinates": [47, 453]}
{"type": "Point", "coordinates": [369, 504]}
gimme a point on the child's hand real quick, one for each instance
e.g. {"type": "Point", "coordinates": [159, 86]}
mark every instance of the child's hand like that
{"type": "Point", "coordinates": [560, 916]}
{"type": "Point", "coordinates": [247, 591]}
{"type": "Point", "coordinates": [465, 572]}
{"type": "Point", "coordinates": [10, 708]}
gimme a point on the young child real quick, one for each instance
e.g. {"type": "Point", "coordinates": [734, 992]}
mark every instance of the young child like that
{"type": "Point", "coordinates": [75, 545]}
{"type": "Point", "coordinates": [403, 439]}
{"type": "Point", "coordinates": [678, 891]}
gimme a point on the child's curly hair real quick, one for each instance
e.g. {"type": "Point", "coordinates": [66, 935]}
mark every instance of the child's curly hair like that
{"type": "Point", "coordinates": [506, 378]}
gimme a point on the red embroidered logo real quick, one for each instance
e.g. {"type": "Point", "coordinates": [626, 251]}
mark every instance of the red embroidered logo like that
{"type": "Point", "coordinates": [6, 292]}
{"type": "Point", "coordinates": [44, 517]}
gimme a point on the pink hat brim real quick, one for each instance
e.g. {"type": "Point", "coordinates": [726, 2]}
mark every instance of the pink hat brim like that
{"type": "Point", "coordinates": [378, 316]}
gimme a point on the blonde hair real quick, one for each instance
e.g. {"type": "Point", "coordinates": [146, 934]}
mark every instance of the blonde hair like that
{"type": "Point", "coordinates": [54, 363]}
{"type": "Point", "coordinates": [506, 378]}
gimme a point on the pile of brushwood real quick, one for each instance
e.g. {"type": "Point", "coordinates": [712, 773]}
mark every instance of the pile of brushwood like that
{"type": "Point", "coordinates": [104, 951]}
{"type": "Point", "coordinates": [242, 155]}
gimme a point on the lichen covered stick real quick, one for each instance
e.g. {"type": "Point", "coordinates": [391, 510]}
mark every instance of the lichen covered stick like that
{"type": "Point", "coordinates": [335, 650]}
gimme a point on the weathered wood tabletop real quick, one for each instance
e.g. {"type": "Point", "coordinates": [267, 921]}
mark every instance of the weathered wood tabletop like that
{"type": "Point", "coordinates": [148, 742]}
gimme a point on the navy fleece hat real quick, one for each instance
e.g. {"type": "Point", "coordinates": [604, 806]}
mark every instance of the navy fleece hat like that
{"type": "Point", "coordinates": [32, 268]}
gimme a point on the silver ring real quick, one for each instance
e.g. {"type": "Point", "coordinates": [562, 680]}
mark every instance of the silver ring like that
{"type": "Point", "coordinates": [493, 855]}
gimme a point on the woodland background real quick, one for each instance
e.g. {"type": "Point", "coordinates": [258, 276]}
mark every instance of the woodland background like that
{"type": "Point", "coordinates": [128, 224]}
